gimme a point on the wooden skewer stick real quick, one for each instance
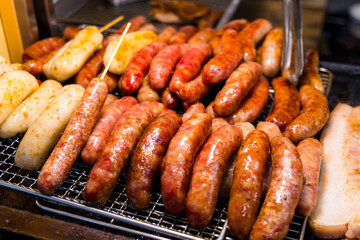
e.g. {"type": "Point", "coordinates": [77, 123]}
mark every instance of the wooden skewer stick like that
{"type": "Point", "coordinates": [110, 24]}
{"type": "Point", "coordinates": [116, 49]}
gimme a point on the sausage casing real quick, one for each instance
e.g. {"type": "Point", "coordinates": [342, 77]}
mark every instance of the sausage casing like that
{"type": "Point", "coordinates": [271, 52]}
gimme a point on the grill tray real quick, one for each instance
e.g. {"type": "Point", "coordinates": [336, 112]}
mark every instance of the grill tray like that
{"type": "Point", "coordinates": [117, 213]}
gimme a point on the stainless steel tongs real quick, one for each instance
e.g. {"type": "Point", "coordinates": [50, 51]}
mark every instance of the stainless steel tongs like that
{"type": "Point", "coordinates": [292, 11]}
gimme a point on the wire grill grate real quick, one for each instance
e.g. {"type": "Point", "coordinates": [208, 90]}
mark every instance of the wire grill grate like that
{"type": "Point", "coordinates": [117, 211]}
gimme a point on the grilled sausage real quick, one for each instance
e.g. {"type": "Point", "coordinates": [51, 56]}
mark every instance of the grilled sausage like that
{"type": "Point", "coordinates": [194, 90]}
{"type": "Point", "coordinates": [182, 35]}
{"type": "Point", "coordinates": [194, 108]}
{"type": "Point", "coordinates": [110, 79]}
{"type": "Point", "coordinates": [203, 36]}
{"type": "Point", "coordinates": [207, 173]}
{"type": "Point", "coordinates": [70, 32]}
{"type": "Point", "coordinates": [146, 93]}
{"type": "Point", "coordinates": [167, 34]}
{"type": "Point", "coordinates": [169, 99]}
{"type": "Point", "coordinates": [310, 74]}
{"type": "Point", "coordinates": [271, 52]}
{"type": "Point", "coordinates": [66, 151]}
{"type": "Point", "coordinates": [147, 156]}
{"type": "Point", "coordinates": [217, 123]}
{"type": "Point", "coordinates": [35, 66]}
{"type": "Point", "coordinates": [210, 19]}
{"type": "Point", "coordinates": [236, 24]}
{"type": "Point", "coordinates": [215, 44]}
{"type": "Point", "coordinates": [245, 195]}
{"type": "Point", "coordinates": [42, 47]}
{"type": "Point", "coordinates": [179, 159]}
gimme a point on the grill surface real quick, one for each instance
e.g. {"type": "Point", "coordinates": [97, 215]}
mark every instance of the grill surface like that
{"type": "Point", "coordinates": [117, 213]}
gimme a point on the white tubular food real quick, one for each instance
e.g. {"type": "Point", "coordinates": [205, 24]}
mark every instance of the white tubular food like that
{"type": "Point", "coordinates": [46, 129]}
{"type": "Point", "coordinates": [15, 86]}
{"type": "Point", "coordinates": [21, 118]}
{"type": "Point", "coordinates": [132, 43]}
{"type": "Point", "coordinates": [337, 212]}
{"type": "Point", "coordinates": [73, 55]}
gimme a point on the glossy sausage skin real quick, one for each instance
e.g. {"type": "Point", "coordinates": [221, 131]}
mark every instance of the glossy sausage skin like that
{"type": "Point", "coordinates": [203, 36]}
{"type": "Point", "coordinates": [245, 195]}
{"type": "Point", "coordinates": [110, 79]}
{"type": "Point", "coordinates": [310, 75]}
{"type": "Point", "coordinates": [42, 47]}
{"type": "Point", "coordinates": [34, 66]}
{"type": "Point", "coordinates": [271, 52]}
{"type": "Point", "coordinates": [237, 25]}
{"type": "Point", "coordinates": [287, 103]}
{"type": "Point", "coordinates": [189, 66]}
{"type": "Point", "coordinates": [194, 108]}
{"type": "Point", "coordinates": [147, 156]}
{"type": "Point", "coordinates": [207, 173]}
{"type": "Point", "coordinates": [163, 64]}
{"type": "Point", "coordinates": [66, 151]}
{"type": "Point", "coordinates": [138, 67]}
{"type": "Point", "coordinates": [194, 90]}
{"type": "Point", "coordinates": [224, 63]}
{"type": "Point", "coordinates": [313, 117]}
{"type": "Point", "coordinates": [182, 35]}
{"type": "Point", "coordinates": [169, 99]}
{"type": "Point", "coordinates": [104, 175]}
{"type": "Point", "coordinates": [179, 159]}
{"type": "Point", "coordinates": [166, 34]}
{"type": "Point", "coordinates": [146, 93]}
{"type": "Point", "coordinates": [215, 44]}
{"type": "Point", "coordinates": [209, 110]}
{"type": "Point", "coordinates": [70, 32]}
{"type": "Point", "coordinates": [283, 195]}
{"type": "Point", "coordinates": [251, 35]}
{"type": "Point", "coordinates": [311, 154]}
{"type": "Point", "coordinates": [90, 69]}
{"type": "Point", "coordinates": [253, 104]}
{"type": "Point", "coordinates": [237, 86]}
{"type": "Point", "coordinates": [103, 127]}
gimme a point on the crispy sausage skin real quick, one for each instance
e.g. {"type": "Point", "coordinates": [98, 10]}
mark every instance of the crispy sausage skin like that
{"type": "Point", "coordinates": [253, 104]}
{"type": "Point", "coordinates": [182, 35]}
{"type": "Point", "coordinates": [166, 34]}
{"type": "Point", "coordinates": [283, 195]}
{"type": "Point", "coordinates": [104, 175]}
{"type": "Point", "coordinates": [310, 74]}
{"type": "Point", "coordinates": [82, 121]}
{"type": "Point", "coordinates": [207, 173]}
{"type": "Point", "coordinates": [221, 66]}
{"type": "Point", "coordinates": [236, 24]}
{"type": "Point", "coordinates": [146, 93]}
{"type": "Point", "coordinates": [102, 129]}
{"type": "Point", "coordinates": [203, 36]}
{"type": "Point", "coordinates": [194, 90]}
{"type": "Point", "coordinates": [194, 108]}
{"type": "Point", "coordinates": [311, 153]}
{"type": "Point", "coordinates": [179, 159]}
{"type": "Point", "coordinates": [245, 195]}
{"type": "Point", "coordinates": [138, 67]}
{"type": "Point", "coordinates": [251, 35]}
{"type": "Point", "coordinates": [237, 86]}
{"type": "Point", "coordinates": [271, 52]}
{"type": "Point", "coordinates": [34, 66]}
{"type": "Point", "coordinates": [287, 103]}
{"type": "Point", "coordinates": [163, 64]}
{"type": "Point", "coordinates": [189, 66]}
{"type": "Point", "coordinates": [42, 47]}
{"type": "Point", "coordinates": [147, 156]}
{"type": "Point", "coordinates": [90, 69]}
{"type": "Point", "coordinates": [313, 116]}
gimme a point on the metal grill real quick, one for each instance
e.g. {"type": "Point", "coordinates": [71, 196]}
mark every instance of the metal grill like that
{"type": "Point", "coordinates": [117, 213]}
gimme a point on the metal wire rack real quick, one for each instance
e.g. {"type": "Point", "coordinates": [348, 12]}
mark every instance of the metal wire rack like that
{"type": "Point", "coordinates": [155, 222]}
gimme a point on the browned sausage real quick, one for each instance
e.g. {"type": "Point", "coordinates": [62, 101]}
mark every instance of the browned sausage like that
{"type": "Point", "coordinates": [42, 47]}
{"type": "Point", "coordinates": [35, 66]}
{"type": "Point", "coordinates": [203, 36]}
{"type": "Point", "coordinates": [194, 108]}
{"type": "Point", "coordinates": [287, 103]}
{"type": "Point", "coordinates": [179, 159]}
{"type": "Point", "coordinates": [251, 35]}
{"type": "Point", "coordinates": [237, 86]}
{"type": "Point", "coordinates": [310, 74]}
{"type": "Point", "coordinates": [182, 35]}
{"type": "Point", "coordinates": [82, 121]}
{"type": "Point", "coordinates": [194, 90]}
{"type": "Point", "coordinates": [138, 67]}
{"type": "Point", "coordinates": [215, 44]}
{"type": "Point", "coordinates": [110, 79]}
{"type": "Point", "coordinates": [290, 72]}
{"type": "Point", "coordinates": [163, 64]}
{"type": "Point", "coordinates": [245, 192]}
{"type": "Point", "coordinates": [311, 154]}
{"type": "Point", "coordinates": [253, 104]}
{"type": "Point", "coordinates": [169, 99]}
{"type": "Point", "coordinates": [224, 63]}
{"type": "Point", "coordinates": [146, 93]}
{"type": "Point", "coordinates": [70, 32]}
{"type": "Point", "coordinates": [147, 156]}
{"type": "Point", "coordinates": [271, 52]}
{"type": "Point", "coordinates": [313, 117]}
{"type": "Point", "coordinates": [217, 123]}
{"type": "Point", "coordinates": [167, 34]}
{"type": "Point", "coordinates": [103, 127]}
{"type": "Point", "coordinates": [283, 195]}
{"type": "Point", "coordinates": [207, 173]}
{"type": "Point", "coordinates": [209, 110]}
{"type": "Point", "coordinates": [189, 66]}
{"type": "Point", "coordinates": [210, 19]}
{"type": "Point", "coordinates": [105, 173]}
{"type": "Point", "coordinates": [90, 69]}
{"type": "Point", "coordinates": [236, 24]}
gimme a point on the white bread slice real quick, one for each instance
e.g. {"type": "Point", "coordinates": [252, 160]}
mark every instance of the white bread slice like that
{"type": "Point", "coordinates": [339, 187]}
